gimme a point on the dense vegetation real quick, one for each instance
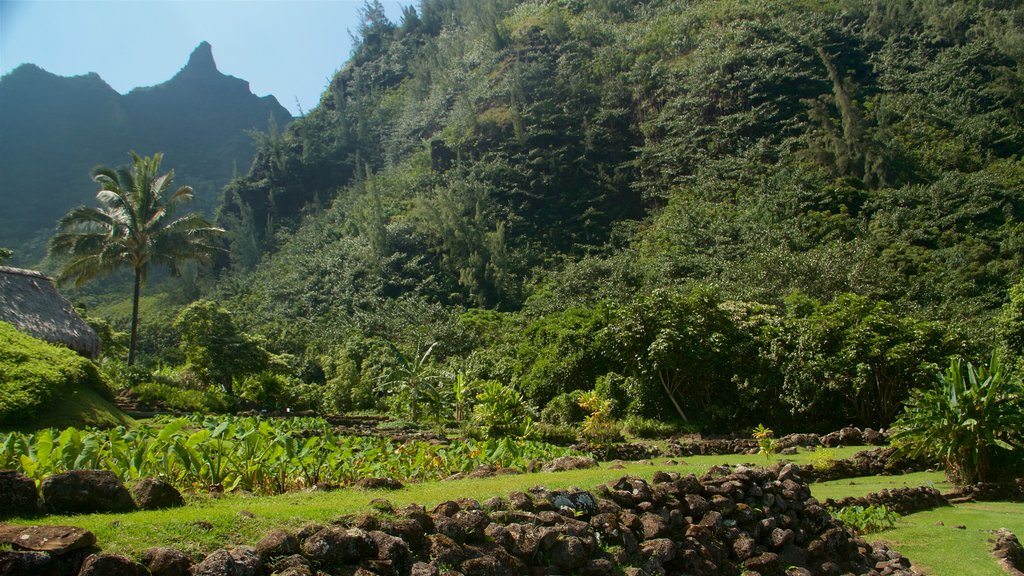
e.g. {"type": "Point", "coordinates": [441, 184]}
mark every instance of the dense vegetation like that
{"type": "Point", "coordinates": [255, 455]}
{"type": "Point", "coordinates": [720, 213]}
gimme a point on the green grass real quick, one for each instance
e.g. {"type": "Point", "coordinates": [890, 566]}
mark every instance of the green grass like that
{"type": "Point", "coordinates": [937, 550]}
{"type": "Point", "coordinates": [80, 407]}
{"type": "Point", "coordinates": [862, 486]}
{"type": "Point", "coordinates": [949, 551]}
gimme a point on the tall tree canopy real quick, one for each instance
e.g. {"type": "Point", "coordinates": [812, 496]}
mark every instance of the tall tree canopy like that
{"type": "Point", "coordinates": [134, 226]}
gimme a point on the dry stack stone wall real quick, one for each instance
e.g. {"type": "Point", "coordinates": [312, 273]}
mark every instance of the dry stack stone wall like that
{"type": "Point", "coordinates": [749, 521]}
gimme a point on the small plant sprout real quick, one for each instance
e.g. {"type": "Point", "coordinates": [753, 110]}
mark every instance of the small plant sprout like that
{"type": "Point", "coordinates": [765, 441]}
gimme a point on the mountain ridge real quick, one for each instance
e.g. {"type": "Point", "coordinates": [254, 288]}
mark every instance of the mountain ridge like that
{"type": "Point", "coordinates": [200, 119]}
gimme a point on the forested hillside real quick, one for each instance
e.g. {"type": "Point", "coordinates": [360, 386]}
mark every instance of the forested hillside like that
{"type": "Point", "coordinates": [54, 130]}
{"type": "Point", "coordinates": [718, 212]}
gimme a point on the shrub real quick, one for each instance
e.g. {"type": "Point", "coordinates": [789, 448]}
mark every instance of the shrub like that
{"type": "Point", "coordinates": [648, 428]}
{"type": "Point", "coordinates": [563, 410]}
{"type": "Point", "coordinates": [33, 373]}
{"type": "Point", "coordinates": [963, 419]}
{"type": "Point", "coordinates": [559, 434]}
{"type": "Point", "coordinates": [823, 459]}
{"type": "Point", "coordinates": [599, 427]}
{"type": "Point", "coordinates": [866, 520]}
{"type": "Point", "coordinates": [182, 399]}
{"type": "Point", "coordinates": [501, 411]}
{"type": "Point", "coordinates": [266, 389]}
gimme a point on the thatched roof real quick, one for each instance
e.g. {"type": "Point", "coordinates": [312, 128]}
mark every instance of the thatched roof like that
{"type": "Point", "coordinates": [29, 301]}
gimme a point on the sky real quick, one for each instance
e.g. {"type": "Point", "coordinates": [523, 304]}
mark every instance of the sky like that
{"type": "Point", "coordinates": [287, 48]}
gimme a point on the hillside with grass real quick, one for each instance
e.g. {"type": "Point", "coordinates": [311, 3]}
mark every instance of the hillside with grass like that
{"type": "Point", "coordinates": [45, 385]}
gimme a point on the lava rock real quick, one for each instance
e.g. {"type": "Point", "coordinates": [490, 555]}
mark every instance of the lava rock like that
{"type": "Point", "coordinates": [18, 496]}
{"type": "Point", "coordinates": [111, 565]}
{"type": "Point", "coordinates": [166, 562]}
{"type": "Point", "coordinates": [84, 492]}
{"type": "Point", "coordinates": [156, 494]}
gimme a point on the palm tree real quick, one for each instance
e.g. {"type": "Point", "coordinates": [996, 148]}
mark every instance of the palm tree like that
{"type": "Point", "coordinates": [134, 226]}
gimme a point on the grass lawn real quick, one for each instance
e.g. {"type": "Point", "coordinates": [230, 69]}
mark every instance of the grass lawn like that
{"type": "Point", "coordinates": [210, 522]}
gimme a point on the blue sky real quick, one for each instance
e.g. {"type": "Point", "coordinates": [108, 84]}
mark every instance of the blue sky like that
{"type": "Point", "coordinates": [288, 48]}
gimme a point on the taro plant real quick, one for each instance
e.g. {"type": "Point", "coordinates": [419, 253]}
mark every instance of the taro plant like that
{"type": "Point", "coordinates": [866, 519]}
{"type": "Point", "coordinates": [965, 419]}
{"type": "Point", "coordinates": [765, 441]}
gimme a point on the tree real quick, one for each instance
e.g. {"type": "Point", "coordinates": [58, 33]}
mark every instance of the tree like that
{"type": "Point", "coordinates": [214, 346]}
{"type": "Point", "coordinates": [682, 342]}
{"type": "Point", "coordinates": [134, 226]}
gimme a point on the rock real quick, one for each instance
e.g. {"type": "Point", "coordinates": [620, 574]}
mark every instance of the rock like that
{"type": "Point", "coordinates": [111, 565]}
{"type": "Point", "coordinates": [294, 565]}
{"type": "Point", "coordinates": [473, 524]}
{"type": "Point", "coordinates": [378, 484]}
{"type": "Point", "coordinates": [568, 554]}
{"type": "Point", "coordinates": [660, 550]}
{"type": "Point", "coordinates": [238, 561]}
{"type": "Point", "coordinates": [395, 551]}
{"type": "Point", "coordinates": [654, 526]}
{"type": "Point", "coordinates": [577, 502]}
{"type": "Point", "coordinates": [18, 496]}
{"type": "Point", "coordinates": [156, 494]}
{"type": "Point", "coordinates": [767, 563]}
{"type": "Point", "coordinates": [873, 437]}
{"type": "Point", "coordinates": [166, 562]}
{"type": "Point", "coordinates": [15, 563]}
{"type": "Point", "coordinates": [569, 463]}
{"type": "Point", "coordinates": [445, 551]}
{"type": "Point", "coordinates": [743, 546]}
{"type": "Point", "coordinates": [424, 569]}
{"type": "Point", "coordinates": [277, 543]}
{"type": "Point", "coordinates": [56, 540]}
{"type": "Point", "coordinates": [336, 546]}
{"type": "Point", "coordinates": [520, 501]}
{"type": "Point", "coordinates": [1008, 552]}
{"type": "Point", "coordinates": [84, 492]}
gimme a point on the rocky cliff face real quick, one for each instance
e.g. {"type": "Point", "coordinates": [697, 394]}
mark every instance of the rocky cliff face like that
{"type": "Point", "coordinates": [54, 129]}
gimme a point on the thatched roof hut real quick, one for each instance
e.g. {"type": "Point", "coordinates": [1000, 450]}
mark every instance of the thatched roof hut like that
{"type": "Point", "coordinates": [30, 301]}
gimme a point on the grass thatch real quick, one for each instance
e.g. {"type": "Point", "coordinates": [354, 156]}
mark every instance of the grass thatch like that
{"type": "Point", "coordinates": [30, 302]}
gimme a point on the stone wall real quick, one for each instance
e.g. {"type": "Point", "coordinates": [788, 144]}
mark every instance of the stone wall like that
{"type": "Point", "coordinates": [749, 520]}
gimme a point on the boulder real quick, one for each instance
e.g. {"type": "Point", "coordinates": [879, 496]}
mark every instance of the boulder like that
{"type": "Point", "coordinates": [56, 540]}
{"type": "Point", "coordinates": [378, 484]}
{"type": "Point", "coordinates": [166, 562]}
{"type": "Point", "coordinates": [85, 492]}
{"type": "Point", "coordinates": [336, 546]}
{"type": "Point", "coordinates": [276, 544]}
{"type": "Point", "coordinates": [111, 565]}
{"type": "Point", "coordinates": [18, 496]}
{"type": "Point", "coordinates": [394, 551]}
{"type": "Point", "coordinates": [237, 561]}
{"type": "Point", "coordinates": [569, 463]}
{"type": "Point", "coordinates": [294, 565]}
{"type": "Point", "coordinates": [35, 563]}
{"type": "Point", "coordinates": [156, 494]}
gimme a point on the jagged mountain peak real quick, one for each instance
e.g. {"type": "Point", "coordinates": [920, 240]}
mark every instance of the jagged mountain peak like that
{"type": "Point", "coordinates": [201, 58]}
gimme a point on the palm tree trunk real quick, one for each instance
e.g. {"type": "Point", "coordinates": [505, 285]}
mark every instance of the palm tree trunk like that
{"type": "Point", "coordinates": [135, 318]}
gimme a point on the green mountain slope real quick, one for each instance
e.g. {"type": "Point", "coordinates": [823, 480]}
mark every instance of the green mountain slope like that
{"type": "Point", "coordinates": [729, 210]}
